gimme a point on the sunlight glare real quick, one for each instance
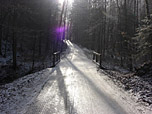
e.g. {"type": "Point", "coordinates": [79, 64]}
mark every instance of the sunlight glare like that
{"type": "Point", "coordinates": [69, 43]}
{"type": "Point", "coordinates": [69, 71]}
{"type": "Point", "coordinates": [61, 1]}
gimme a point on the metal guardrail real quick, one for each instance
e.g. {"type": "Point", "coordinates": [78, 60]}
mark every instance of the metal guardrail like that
{"type": "Point", "coordinates": [56, 58]}
{"type": "Point", "coordinates": [97, 58]}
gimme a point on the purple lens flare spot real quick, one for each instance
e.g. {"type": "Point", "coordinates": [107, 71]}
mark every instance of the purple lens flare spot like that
{"type": "Point", "coordinates": [61, 29]}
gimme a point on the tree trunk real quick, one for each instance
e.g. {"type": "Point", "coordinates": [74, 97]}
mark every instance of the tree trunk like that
{"type": "Point", "coordinates": [14, 51]}
{"type": "Point", "coordinates": [1, 40]}
{"type": "Point", "coordinates": [6, 41]}
{"type": "Point", "coordinates": [33, 56]}
{"type": "Point", "coordinates": [40, 46]}
{"type": "Point", "coordinates": [147, 9]}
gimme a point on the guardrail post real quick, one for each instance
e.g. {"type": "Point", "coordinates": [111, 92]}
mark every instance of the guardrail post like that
{"type": "Point", "coordinates": [96, 58]}
{"type": "Point", "coordinates": [93, 56]}
{"type": "Point", "coordinates": [59, 56]}
{"type": "Point", "coordinates": [53, 60]}
{"type": "Point", "coordinates": [56, 58]}
{"type": "Point", "coordinates": [100, 62]}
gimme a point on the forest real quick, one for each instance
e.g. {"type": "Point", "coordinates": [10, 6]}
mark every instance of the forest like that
{"type": "Point", "coordinates": [28, 36]}
{"type": "Point", "coordinates": [75, 56]}
{"type": "Point", "coordinates": [119, 30]}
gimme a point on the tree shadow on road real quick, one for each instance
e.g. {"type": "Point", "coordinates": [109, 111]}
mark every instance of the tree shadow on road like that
{"type": "Point", "coordinates": [69, 106]}
{"type": "Point", "coordinates": [111, 102]}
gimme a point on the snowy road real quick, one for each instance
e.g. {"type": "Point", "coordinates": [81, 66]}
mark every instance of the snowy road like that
{"type": "Point", "coordinates": [77, 88]}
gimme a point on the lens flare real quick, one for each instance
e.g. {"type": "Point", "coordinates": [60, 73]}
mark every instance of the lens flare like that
{"type": "Point", "coordinates": [61, 29]}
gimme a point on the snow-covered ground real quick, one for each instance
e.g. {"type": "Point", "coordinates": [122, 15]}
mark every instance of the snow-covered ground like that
{"type": "Point", "coordinates": [137, 83]}
{"type": "Point", "coordinates": [17, 95]}
{"type": "Point", "coordinates": [74, 86]}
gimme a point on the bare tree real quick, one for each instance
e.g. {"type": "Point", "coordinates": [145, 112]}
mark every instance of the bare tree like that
{"type": "Point", "coordinates": [147, 9]}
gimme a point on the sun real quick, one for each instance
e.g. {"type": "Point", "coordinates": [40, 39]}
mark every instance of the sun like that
{"type": "Point", "coordinates": [61, 1]}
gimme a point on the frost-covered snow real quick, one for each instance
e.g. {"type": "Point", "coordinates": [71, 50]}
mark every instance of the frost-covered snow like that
{"type": "Point", "coordinates": [139, 83]}
{"type": "Point", "coordinates": [15, 96]}
{"type": "Point", "coordinates": [74, 86]}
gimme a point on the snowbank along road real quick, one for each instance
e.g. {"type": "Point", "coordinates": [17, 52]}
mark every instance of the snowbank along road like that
{"type": "Point", "coordinates": [75, 87]}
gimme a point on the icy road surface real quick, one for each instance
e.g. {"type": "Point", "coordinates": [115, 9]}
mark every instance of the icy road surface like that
{"type": "Point", "coordinates": [77, 88]}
